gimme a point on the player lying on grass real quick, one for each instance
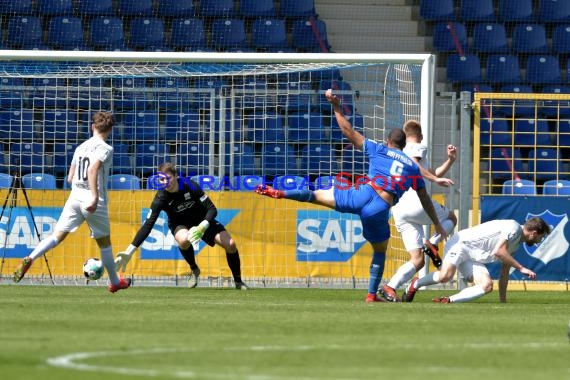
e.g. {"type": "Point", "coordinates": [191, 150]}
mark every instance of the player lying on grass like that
{"type": "Point", "coordinates": [392, 172]}
{"type": "Point", "coordinates": [410, 217]}
{"type": "Point", "coordinates": [191, 218]}
{"type": "Point", "coordinates": [87, 201]}
{"type": "Point", "coordinates": [470, 249]}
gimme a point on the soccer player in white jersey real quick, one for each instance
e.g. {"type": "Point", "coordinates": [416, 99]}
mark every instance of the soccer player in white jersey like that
{"type": "Point", "coordinates": [410, 217]}
{"type": "Point", "coordinates": [470, 249]}
{"type": "Point", "coordinates": [87, 202]}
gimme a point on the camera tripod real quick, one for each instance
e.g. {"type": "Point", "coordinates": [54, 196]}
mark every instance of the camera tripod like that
{"type": "Point", "coordinates": [12, 200]}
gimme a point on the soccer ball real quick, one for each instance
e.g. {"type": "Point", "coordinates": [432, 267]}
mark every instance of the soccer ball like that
{"type": "Point", "coordinates": [93, 269]}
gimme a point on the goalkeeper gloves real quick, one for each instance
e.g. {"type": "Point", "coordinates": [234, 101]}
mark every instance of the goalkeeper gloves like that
{"type": "Point", "coordinates": [195, 233]}
{"type": "Point", "coordinates": [123, 258]}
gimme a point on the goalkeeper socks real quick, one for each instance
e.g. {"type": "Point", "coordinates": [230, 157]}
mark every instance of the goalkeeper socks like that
{"type": "Point", "coordinates": [109, 264]}
{"type": "Point", "coordinates": [235, 265]}
{"type": "Point", "coordinates": [376, 271]}
{"type": "Point", "coordinates": [44, 246]}
{"type": "Point", "coordinates": [300, 195]}
{"type": "Point", "coordinates": [188, 255]}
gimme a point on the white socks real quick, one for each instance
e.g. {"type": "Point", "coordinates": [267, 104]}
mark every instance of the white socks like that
{"type": "Point", "coordinates": [468, 294]}
{"type": "Point", "coordinates": [404, 273]}
{"type": "Point", "coordinates": [44, 246]}
{"type": "Point", "coordinates": [109, 263]}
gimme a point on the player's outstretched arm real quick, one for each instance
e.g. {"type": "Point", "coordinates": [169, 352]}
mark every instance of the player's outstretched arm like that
{"type": "Point", "coordinates": [451, 157]}
{"type": "Point", "coordinates": [355, 137]}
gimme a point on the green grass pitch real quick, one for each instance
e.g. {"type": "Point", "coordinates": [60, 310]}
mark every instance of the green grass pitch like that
{"type": "Point", "coordinates": [86, 333]}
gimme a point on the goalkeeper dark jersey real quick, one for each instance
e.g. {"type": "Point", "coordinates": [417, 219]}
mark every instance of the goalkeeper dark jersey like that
{"type": "Point", "coordinates": [186, 207]}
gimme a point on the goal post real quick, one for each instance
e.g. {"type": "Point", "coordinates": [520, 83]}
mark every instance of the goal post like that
{"type": "Point", "coordinates": [226, 119]}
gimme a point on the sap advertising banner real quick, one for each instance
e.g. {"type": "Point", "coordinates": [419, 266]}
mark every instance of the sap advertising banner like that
{"type": "Point", "coordinates": [550, 259]}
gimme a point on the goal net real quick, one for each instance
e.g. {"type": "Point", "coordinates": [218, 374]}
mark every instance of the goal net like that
{"type": "Point", "coordinates": [229, 121]}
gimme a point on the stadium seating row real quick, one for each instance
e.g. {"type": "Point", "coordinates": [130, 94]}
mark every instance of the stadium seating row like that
{"type": "Point", "coordinates": [528, 187]}
{"type": "Point", "coordinates": [553, 11]}
{"type": "Point", "coordinates": [156, 34]}
{"type": "Point", "coordinates": [539, 164]}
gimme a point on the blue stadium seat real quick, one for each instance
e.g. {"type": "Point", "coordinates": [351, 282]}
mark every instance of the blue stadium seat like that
{"type": "Point", "coordinates": [243, 159]}
{"type": "Point", "coordinates": [519, 187]}
{"type": "Point", "coordinates": [450, 37]}
{"type": "Point", "coordinates": [171, 93]}
{"type": "Point", "coordinates": [554, 11]}
{"type": "Point", "coordinates": [19, 7]}
{"type": "Point", "coordinates": [297, 8]}
{"type": "Point", "coordinates": [529, 38]}
{"type": "Point", "coordinates": [356, 120]}
{"type": "Point", "coordinates": [257, 8]}
{"type": "Point", "coordinates": [181, 126]}
{"type": "Point", "coordinates": [217, 8]}
{"type": "Point", "coordinates": [12, 93]}
{"type": "Point", "coordinates": [149, 156]}
{"type": "Point", "coordinates": [437, 10]}
{"type": "Point", "coordinates": [463, 69]}
{"type": "Point", "coordinates": [543, 69]}
{"type": "Point", "coordinates": [278, 159]}
{"type": "Point", "coordinates": [250, 94]}
{"type": "Point", "coordinates": [5, 181]}
{"type": "Point", "coordinates": [318, 159]}
{"type": "Point", "coordinates": [310, 35]}
{"type": "Point", "coordinates": [518, 108]}
{"type": "Point", "coordinates": [266, 128]}
{"type": "Point", "coordinates": [563, 132]}
{"type": "Point", "coordinates": [146, 33]}
{"type": "Point", "coordinates": [130, 94]}
{"type": "Point", "coordinates": [124, 182]}
{"type": "Point", "coordinates": [107, 33]}
{"type": "Point", "coordinates": [95, 8]}
{"type": "Point", "coordinates": [211, 87]}
{"type": "Point", "coordinates": [65, 33]}
{"type": "Point", "coordinates": [175, 8]}
{"type": "Point", "coordinates": [62, 157]}
{"type": "Point", "coordinates": [27, 157]}
{"type": "Point", "coordinates": [269, 33]}
{"type": "Point", "coordinates": [39, 181]}
{"type": "Point", "coordinates": [17, 125]}
{"type": "Point", "coordinates": [516, 10]}
{"type": "Point", "coordinates": [477, 11]}
{"type": "Point", "coordinates": [561, 39]}
{"type": "Point", "coordinates": [503, 68]}
{"type": "Point", "coordinates": [24, 31]}
{"type": "Point", "coordinates": [141, 126]}
{"type": "Point", "coordinates": [89, 93]}
{"type": "Point", "coordinates": [556, 108]}
{"type": "Point", "coordinates": [295, 96]}
{"type": "Point", "coordinates": [341, 88]}
{"type": "Point", "coordinates": [193, 158]}
{"type": "Point", "coordinates": [122, 163]}
{"type": "Point", "coordinates": [60, 125]}
{"type": "Point", "coordinates": [531, 132]}
{"type": "Point", "coordinates": [495, 132]}
{"type": "Point", "coordinates": [306, 127]}
{"type": "Point", "coordinates": [290, 182]}
{"type": "Point", "coordinates": [556, 187]}
{"type": "Point", "coordinates": [135, 8]}
{"type": "Point", "coordinates": [188, 33]}
{"type": "Point", "coordinates": [504, 161]}
{"type": "Point", "coordinates": [490, 38]}
{"type": "Point", "coordinates": [55, 7]}
{"type": "Point", "coordinates": [228, 33]}
{"type": "Point", "coordinates": [544, 163]}
{"type": "Point", "coordinates": [48, 92]}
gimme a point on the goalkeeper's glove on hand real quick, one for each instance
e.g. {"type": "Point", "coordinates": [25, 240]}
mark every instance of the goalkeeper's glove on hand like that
{"type": "Point", "coordinates": [195, 233]}
{"type": "Point", "coordinates": [123, 258]}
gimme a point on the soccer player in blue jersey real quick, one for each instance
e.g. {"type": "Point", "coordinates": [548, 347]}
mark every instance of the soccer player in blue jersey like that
{"type": "Point", "coordinates": [390, 174]}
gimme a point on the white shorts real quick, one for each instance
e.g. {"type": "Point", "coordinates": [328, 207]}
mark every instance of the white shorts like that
{"type": "Point", "coordinates": [410, 219]}
{"type": "Point", "coordinates": [74, 214]}
{"type": "Point", "coordinates": [457, 254]}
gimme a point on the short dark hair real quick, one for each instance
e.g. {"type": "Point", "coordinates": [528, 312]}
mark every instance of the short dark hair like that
{"type": "Point", "coordinates": [397, 137]}
{"type": "Point", "coordinates": [537, 224]}
{"type": "Point", "coordinates": [167, 167]}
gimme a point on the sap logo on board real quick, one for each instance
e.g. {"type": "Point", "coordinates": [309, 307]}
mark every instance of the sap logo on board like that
{"type": "Point", "coordinates": [327, 236]}
{"type": "Point", "coordinates": [555, 245]}
{"type": "Point", "coordinates": [18, 233]}
{"type": "Point", "coordinates": [160, 243]}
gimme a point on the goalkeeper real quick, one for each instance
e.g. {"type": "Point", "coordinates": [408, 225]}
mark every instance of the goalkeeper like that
{"type": "Point", "coordinates": [191, 218]}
